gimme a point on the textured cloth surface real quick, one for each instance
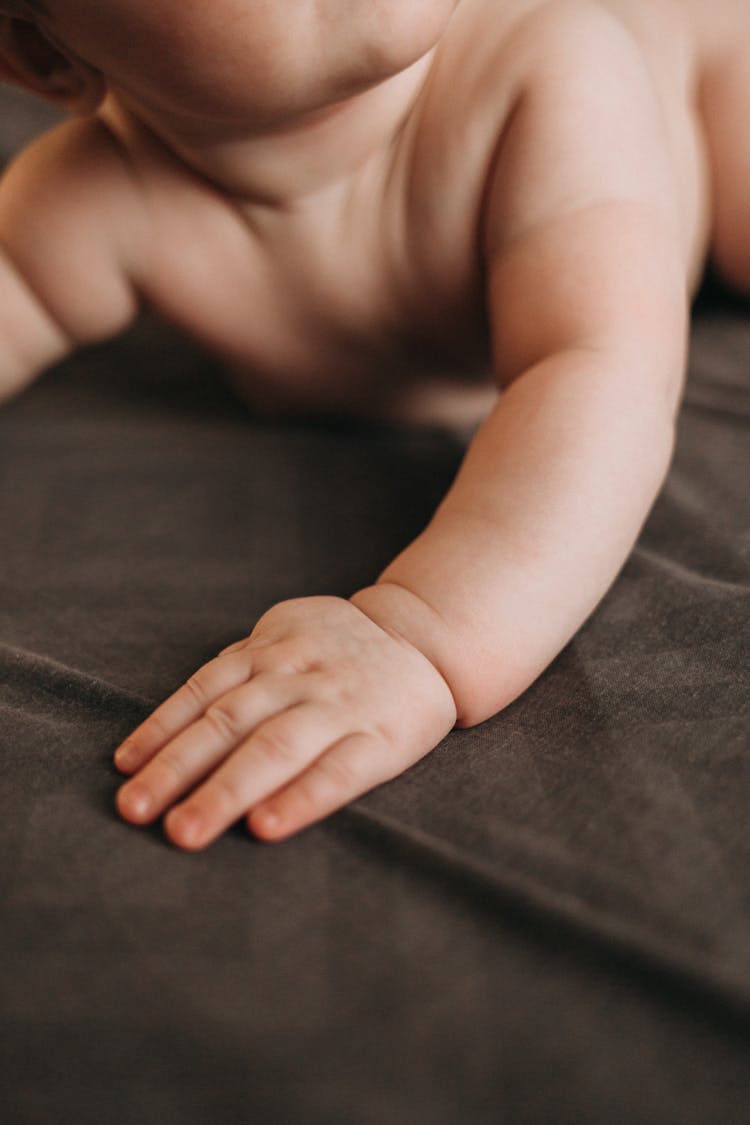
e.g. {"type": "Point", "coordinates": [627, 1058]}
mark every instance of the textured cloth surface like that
{"type": "Point", "coordinates": [547, 920]}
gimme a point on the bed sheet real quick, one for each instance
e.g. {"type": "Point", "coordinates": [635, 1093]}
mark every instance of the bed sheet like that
{"type": "Point", "coordinates": [546, 920]}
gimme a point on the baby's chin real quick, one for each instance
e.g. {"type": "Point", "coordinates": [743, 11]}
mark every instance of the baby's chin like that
{"type": "Point", "coordinates": [395, 34]}
{"type": "Point", "coordinates": [266, 66]}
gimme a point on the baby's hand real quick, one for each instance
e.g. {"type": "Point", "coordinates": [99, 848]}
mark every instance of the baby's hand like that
{"type": "Point", "coordinates": [317, 706]}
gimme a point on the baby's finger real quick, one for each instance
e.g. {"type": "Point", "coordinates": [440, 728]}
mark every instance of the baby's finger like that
{"type": "Point", "coordinates": [350, 768]}
{"type": "Point", "coordinates": [202, 746]}
{"type": "Point", "coordinates": [276, 752]}
{"type": "Point", "coordinates": [187, 704]}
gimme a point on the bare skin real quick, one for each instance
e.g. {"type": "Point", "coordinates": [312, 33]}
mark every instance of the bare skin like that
{"type": "Point", "coordinates": [374, 208]}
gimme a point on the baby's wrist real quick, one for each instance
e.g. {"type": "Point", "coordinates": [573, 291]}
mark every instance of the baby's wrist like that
{"type": "Point", "coordinates": [406, 616]}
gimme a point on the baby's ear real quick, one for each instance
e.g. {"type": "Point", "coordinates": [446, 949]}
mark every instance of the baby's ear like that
{"type": "Point", "coordinates": [30, 59]}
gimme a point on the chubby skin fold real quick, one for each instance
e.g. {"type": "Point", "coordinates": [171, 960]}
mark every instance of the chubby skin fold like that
{"type": "Point", "coordinates": [360, 205]}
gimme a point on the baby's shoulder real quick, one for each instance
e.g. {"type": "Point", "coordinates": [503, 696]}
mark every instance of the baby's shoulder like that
{"type": "Point", "coordinates": [492, 55]}
{"type": "Point", "coordinates": [491, 48]}
{"type": "Point", "coordinates": [71, 191]}
{"type": "Point", "coordinates": [77, 163]}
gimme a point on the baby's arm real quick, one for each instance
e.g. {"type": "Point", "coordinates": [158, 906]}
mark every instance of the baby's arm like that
{"type": "Point", "coordinates": [587, 287]}
{"type": "Point", "coordinates": [71, 232]}
{"type": "Point", "coordinates": [586, 284]}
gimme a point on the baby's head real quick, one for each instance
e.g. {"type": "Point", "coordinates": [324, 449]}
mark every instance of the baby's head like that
{"type": "Point", "coordinates": [258, 62]}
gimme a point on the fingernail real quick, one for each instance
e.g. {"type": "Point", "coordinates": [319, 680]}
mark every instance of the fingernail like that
{"type": "Point", "coordinates": [266, 819]}
{"type": "Point", "coordinates": [184, 825]}
{"type": "Point", "coordinates": [125, 756]}
{"type": "Point", "coordinates": [137, 799]}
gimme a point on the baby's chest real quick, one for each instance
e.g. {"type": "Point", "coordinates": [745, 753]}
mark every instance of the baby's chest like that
{"type": "Point", "coordinates": [346, 288]}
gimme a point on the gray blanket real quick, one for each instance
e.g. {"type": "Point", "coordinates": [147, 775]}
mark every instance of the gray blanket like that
{"type": "Point", "coordinates": [547, 920]}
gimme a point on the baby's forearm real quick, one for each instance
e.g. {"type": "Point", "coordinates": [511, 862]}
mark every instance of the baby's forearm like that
{"type": "Point", "coordinates": [541, 517]}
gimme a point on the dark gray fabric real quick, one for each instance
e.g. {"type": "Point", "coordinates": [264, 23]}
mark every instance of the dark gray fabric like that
{"type": "Point", "coordinates": [547, 920]}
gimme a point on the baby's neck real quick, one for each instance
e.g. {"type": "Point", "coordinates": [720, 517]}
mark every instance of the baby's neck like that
{"type": "Point", "coordinates": [286, 165]}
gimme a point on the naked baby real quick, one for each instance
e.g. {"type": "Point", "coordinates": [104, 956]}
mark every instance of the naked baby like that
{"type": "Point", "coordinates": [363, 206]}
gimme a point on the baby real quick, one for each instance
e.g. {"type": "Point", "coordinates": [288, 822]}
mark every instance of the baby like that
{"type": "Point", "coordinates": [365, 206]}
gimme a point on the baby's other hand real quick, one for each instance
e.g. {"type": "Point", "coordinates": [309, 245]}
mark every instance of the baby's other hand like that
{"type": "Point", "coordinates": [317, 706]}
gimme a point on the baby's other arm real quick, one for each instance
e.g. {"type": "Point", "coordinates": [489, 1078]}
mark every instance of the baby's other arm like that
{"type": "Point", "coordinates": [72, 244]}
